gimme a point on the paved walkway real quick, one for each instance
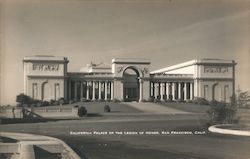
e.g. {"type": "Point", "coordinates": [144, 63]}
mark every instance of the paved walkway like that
{"type": "Point", "coordinates": [155, 108]}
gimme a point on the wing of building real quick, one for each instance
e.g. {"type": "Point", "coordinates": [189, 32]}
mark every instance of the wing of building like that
{"type": "Point", "coordinates": [47, 78]}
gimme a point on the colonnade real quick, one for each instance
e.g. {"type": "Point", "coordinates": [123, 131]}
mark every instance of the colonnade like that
{"type": "Point", "coordinates": [91, 90]}
{"type": "Point", "coordinates": [172, 90]}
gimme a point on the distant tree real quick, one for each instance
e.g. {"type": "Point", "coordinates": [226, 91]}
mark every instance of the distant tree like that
{"type": "Point", "coordinates": [23, 99]}
{"type": "Point", "coordinates": [221, 112]}
{"type": "Point", "coordinates": [243, 99]}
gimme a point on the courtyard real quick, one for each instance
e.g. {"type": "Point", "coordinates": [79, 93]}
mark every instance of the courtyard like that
{"type": "Point", "coordinates": [132, 132]}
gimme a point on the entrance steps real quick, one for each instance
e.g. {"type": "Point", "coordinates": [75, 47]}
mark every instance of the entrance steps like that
{"type": "Point", "coordinates": [154, 108]}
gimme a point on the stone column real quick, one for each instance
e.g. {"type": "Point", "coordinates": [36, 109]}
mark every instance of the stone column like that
{"type": "Point", "coordinates": [93, 92]}
{"type": "Point", "coordinates": [106, 90]}
{"type": "Point", "coordinates": [99, 90]}
{"type": "Point", "coordinates": [156, 90]}
{"type": "Point", "coordinates": [162, 90]}
{"type": "Point", "coordinates": [81, 91]}
{"type": "Point", "coordinates": [185, 91]}
{"type": "Point", "coordinates": [87, 91]}
{"type": "Point", "coordinates": [173, 90]}
{"type": "Point", "coordinates": [75, 95]}
{"type": "Point", "coordinates": [179, 90]}
{"type": "Point", "coordinates": [167, 90]}
{"type": "Point", "coordinates": [112, 90]}
{"type": "Point", "coordinates": [69, 90]}
{"type": "Point", "coordinates": [151, 89]}
{"type": "Point", "coordinates": [191, 91]}
{"type": "Point", "coordinates": [141, 90]}
{"type": "Point", "coordinates": [122, 90]}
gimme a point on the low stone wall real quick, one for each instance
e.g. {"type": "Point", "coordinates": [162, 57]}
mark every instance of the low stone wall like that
{"type": "Point", "coordinates": [28, 144]}
{"type": "Point", "coordinates": [11, 112]}
{"type": "Point", "coordinates": [44, 112]}
{"type": "Point", "coordinates": [223, 129]}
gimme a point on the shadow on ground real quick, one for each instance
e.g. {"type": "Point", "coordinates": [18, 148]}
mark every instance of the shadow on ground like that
{"type": "Point", "coordinates": [104, 149]}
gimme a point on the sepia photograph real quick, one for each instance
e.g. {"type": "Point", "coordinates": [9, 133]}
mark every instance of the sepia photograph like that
{"type": "Point", "coordinates": [124, 79]}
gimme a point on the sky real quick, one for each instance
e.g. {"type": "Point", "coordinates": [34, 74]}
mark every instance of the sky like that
{"type": "Point", "coordinates": [166, 32]}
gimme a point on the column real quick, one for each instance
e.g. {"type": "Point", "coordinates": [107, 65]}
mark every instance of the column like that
{"type": "Point", "coordinates": [153, 89]}
{"type": "Point", "coordinates": [75, 95]}
{"type": "Point", "coordinates": [69, 90]}
{"type": "Point", "coordinates": [105, 90]}
{"type": "Point", "coordinates": [167, 90]}
{"type": "Point", "coordinates": [87, 91]}
{"type": "Point", "coordinates": [156, 92]}
{"type": "Point", "coordinates": [185, 91]}
{"type": "Point", "coordinates": [141, 90]}
{"type": "Point", "coordinates": [173, 90]}
{"type": "Point", "coordinates": [99, 90]}
{"type": "Point", "coordinates": [112, 90]}
{"type": "Point", "coordinates": [162, 89]}
{"type": "Point", "coordinates": [93, 92]}
{"type": "Point", "coordinates": [191, 91]}
{"type": "Point", "coordinates": [81, 91]}
{"type": "Point", "coordinates": [179, 90]}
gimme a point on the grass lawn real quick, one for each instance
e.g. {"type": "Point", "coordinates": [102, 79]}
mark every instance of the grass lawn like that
{"type": "Point", "coordinates": [189, 107]}
{"type": "Point", "coordinates": [98, 107]}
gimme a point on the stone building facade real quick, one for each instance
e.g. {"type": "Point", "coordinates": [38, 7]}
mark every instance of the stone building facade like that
{"type": "Point", "coordinates": [47, 78]}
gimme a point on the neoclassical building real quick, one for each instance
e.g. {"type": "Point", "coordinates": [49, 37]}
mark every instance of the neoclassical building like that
{"type": "Point", "coordinates": [47, 77]}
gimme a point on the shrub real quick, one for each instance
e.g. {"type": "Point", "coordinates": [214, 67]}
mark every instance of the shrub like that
{"type": "Point", "coordinates": [101, 100]}
{"type": "Point", "coordinates": [156, 100]}
{"type": "Point", "coordinates": [18, 105]}
{"type": "Point", "coordinates": [189, 101]}
{"type": "Point", "coordinates": [243, 100]}
{"type": "Point", "coordinates": [171, 97]}
{"type": "Point", "coordinates": [115, 100]}
{"type": "Point", "coordinates": [25, 105]}
{"type": "Point", "coordinates": [52, 102]}
{"type": "Point", "coordinates": [213, 103]}
{"type": "Point", "coordinates": [83, 100]}
{"type": "Point", "coordinates": [168, 100]}
{"type": "Point", "coordinates": [32, 105]}
{"type": "Point", "coordinates": [45, 103]}
{"type": "Point", "coordinates": [71, 101]}
{"type": "Point", "coordinates": [82, 111]}
{"type": "Point", "coordinates": [107, 108]}
{"type": "Point", "coordinates": [143, 100]}
{"type": "Point", "coordinates": [222, 113]}
{"type": "Point", "coordinates": [39, 104]}
{"type": "Point", "coordinates": [151, 99]}
{"type": "Point", "coordinates": [23, 99]}
{"type": "Point", "coordinates": [56, 103]}
{"type": "Point", "coordinates": [180, 100]}
{"type": "Point", "coordinates": [61, 101]}
{"type": "Point", "coordinates": [165, 96]}
{"type": "Point", "coordinates": [201, 101]}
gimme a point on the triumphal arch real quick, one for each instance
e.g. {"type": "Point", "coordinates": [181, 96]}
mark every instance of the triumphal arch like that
{"type": "Point", "coordinates": [47, 78]}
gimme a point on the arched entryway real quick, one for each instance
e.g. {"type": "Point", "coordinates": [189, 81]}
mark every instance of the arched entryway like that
{"type": "Point", "coordinates": [46, 91]}
{"type": "Point", "coordinates": [216, 92]}
{"type": "Point", "coordinates": [131, 85]}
